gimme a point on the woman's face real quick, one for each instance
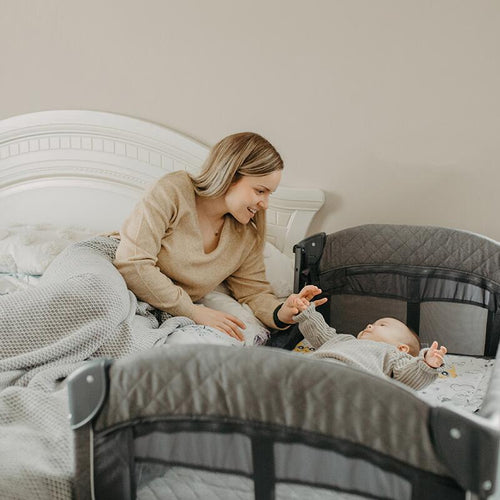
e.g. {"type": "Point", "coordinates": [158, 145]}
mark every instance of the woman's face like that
{"type": "Point", "coordinates": [248, 195]}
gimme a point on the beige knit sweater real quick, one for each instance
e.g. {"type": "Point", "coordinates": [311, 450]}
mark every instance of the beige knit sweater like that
{"type": "Point", "coordinates": [162, 259]}
{"type": "Point", "coordinates": [378, 358]}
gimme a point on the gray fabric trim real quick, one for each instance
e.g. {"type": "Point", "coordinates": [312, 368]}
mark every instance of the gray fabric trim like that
{"type": "Point", "coordinates": [395, 284]}
{"type": "Point", "coordinates": [228, 452]}
{"type": "Point", "coordinates": [302, 463]}
{"type": "Point", "coordinates": [442, 289]}
{"type": "Point", "coordinates": [426, 246]}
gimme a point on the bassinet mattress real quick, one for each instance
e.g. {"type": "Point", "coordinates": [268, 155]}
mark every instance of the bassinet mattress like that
{"type": "Point", "coordinates": [156, 481]}
{"type": "Point", "coordinates": [462, 384]}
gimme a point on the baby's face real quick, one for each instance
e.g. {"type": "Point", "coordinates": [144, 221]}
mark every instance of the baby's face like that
{"type": "Point", "coordinates": [388, 330]}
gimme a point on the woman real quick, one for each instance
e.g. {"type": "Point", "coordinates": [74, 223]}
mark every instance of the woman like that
{"type": "Point", "coordinates": [190, 233]}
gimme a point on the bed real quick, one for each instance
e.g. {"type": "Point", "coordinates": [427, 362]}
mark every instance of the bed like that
{"type": "Point", "coordinates": [65, 177]}
{"type": "Point", "coordinates": [211, 421]}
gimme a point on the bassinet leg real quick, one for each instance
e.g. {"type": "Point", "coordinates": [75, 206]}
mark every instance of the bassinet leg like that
{"type": "Point", "coordinates": [82, 488]}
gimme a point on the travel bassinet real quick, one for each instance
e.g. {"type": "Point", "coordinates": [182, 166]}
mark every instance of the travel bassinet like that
{"type": "Point", "coordinates": [260, 423]}
{"type": "Point", "coordinates": [443, 283]}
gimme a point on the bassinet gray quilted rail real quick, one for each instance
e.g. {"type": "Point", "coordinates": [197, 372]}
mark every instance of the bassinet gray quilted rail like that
{"type": "Point", "coordinates": [274, 388]}
{"type": "Point", "coordinates": [441, 248]}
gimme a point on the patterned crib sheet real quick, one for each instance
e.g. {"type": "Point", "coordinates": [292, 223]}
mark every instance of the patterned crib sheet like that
{"type": "Point", "coordinates": [462, 383]}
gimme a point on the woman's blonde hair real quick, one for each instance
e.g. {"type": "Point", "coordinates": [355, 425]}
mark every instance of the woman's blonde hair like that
{"type": "Point", "coordinates": [235, 156]}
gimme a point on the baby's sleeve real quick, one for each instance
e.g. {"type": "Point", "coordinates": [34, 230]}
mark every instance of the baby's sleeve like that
{"type": "Point", "coordinates": [413, 371]}
{"type": "Point", "coordinates": [314, 327]}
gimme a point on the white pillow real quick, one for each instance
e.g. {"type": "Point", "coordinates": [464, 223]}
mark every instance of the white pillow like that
{"type": "Point", "coordinates": [29, 249]}
{"type": "Point", "coordinates": [255, 331]}
{"type": "Point", "coordinates": [279, 273]}
{"type": "Point", "coordinates": [279, 270]}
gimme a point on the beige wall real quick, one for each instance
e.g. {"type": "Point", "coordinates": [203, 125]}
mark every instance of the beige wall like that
{"type": "Point", "coordinates": [391, 106]}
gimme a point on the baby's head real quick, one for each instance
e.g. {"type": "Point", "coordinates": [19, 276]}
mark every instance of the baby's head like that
{"type": "Point", "coordinates": [394, 332]}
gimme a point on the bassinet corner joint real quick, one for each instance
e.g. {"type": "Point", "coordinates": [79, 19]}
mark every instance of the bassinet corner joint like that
{"type": "Point", "coordinates": [469, 446]}
{"type": "Point", "coordinates": [84, 404]}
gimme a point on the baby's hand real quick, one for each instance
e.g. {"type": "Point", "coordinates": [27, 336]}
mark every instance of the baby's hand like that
{"type": "Point", "coordinates": [434, 356]}
{"type": "Point", "coordinates": [298, 302]}
{"type": "Point", "coordinates": [301, 304]}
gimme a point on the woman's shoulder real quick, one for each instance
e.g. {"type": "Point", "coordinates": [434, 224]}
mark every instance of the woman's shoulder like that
{"type": "Point", "coordinates": [179, 179]}
{"type": "Point", "coordinates": [174, 186]}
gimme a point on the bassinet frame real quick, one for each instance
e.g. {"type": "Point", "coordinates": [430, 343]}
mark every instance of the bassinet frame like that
{"type": "Point", "coordinates": [350, 431]}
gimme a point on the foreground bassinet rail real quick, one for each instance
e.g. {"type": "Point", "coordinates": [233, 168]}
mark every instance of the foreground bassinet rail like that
{"type": "Point", "coordinates": [222, 422]}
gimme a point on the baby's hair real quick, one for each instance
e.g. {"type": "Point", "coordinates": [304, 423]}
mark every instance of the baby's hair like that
{"type": "Point", "coordinates": [414, 343]}
{"type": "Point", "coordinates": [414, 340]}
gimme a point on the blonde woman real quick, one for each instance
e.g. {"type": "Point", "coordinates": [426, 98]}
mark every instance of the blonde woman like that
{"type": "Point", "coordinates": [190, 233]}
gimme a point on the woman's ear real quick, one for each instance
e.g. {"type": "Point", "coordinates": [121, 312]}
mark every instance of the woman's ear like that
{"type": "Point", "coordinates": [403, 348]}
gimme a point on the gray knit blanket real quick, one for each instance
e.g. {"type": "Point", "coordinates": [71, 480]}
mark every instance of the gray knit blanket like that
{"type": "Point", "coordinates": [82, 309]}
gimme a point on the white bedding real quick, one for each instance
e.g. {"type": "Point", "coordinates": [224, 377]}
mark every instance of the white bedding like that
{"type": "Point", "coordinates": [463, 382]}
{"type": "Point", "coordinates": [27, 250]}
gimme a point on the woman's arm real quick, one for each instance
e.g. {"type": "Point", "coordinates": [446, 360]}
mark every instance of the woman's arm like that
{"type": "Point", "coordinates": [137, 256]}
{"type": "Point", "coordinates": [140, 243]}
{"type": "Point", "coordinates": [248, 284]}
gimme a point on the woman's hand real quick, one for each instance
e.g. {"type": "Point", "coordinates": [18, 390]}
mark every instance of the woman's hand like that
{"type": "Point", "coordinates": [434, 356]}
{"type": "Point", "coordinates": [226, 323]}
{"type": "Point", "coordinates": [290, 307]}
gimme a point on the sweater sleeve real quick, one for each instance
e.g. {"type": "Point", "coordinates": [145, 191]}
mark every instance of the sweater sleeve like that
{"type": "Point", "coordinates": [248, 285]}
{"type": "Point", "coordinates": [140, 243]}
{"type": "Point", "coordinates": [314, 327]}
{"type": "Point", "coordinates": [412, 371]}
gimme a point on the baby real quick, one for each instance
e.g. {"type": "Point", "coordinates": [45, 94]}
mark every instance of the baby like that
{"type": "Point", "coordinates": [385, 348]}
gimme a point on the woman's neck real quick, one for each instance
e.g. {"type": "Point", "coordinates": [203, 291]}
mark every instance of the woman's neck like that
{"type": "Point", "coordinates": [213, 209]}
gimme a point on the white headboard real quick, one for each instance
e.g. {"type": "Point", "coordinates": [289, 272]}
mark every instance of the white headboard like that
{"type": "Point", "coordinates": [89, 168]}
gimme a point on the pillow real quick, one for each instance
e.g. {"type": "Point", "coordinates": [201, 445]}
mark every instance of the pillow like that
{"type": "Point", "coordinates": [255, 331]}
{"type": "Point", "coordinates": [279, 273]}
{"type": "Point", "coordinates": [29, 249]}
{"type": "Point", "coordinates": [279, 270]}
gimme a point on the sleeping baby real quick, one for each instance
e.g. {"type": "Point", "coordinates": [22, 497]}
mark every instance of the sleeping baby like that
{"type": "Point", "coordinates": [385, 348]}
